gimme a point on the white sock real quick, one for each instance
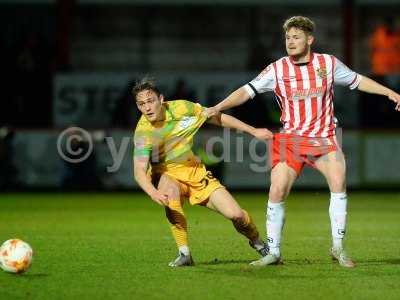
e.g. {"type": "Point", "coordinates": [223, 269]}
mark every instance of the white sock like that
{"type": "Point", "coordinates": [337, 214]}
{"type": "Point", "coordinates": [275, 222]}
{"type": "Point", "coordinates": [184, 250]}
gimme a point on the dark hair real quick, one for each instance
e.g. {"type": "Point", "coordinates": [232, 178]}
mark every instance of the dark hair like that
{"type": "Point", "coordinates": [299, 22]}
{"type": "Point", "coordinates": [145, 84]}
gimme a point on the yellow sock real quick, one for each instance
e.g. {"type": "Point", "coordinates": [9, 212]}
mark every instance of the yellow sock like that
{"type": "Point", "coordinates": [247, 227]}
{"type": "Point", "coordinates": [176, 218]}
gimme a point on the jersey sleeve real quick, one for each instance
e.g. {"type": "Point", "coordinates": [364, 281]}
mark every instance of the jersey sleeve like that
{"type": "Point", "coordinates": [143, 142]}
{"type": "Point", "coordinates": [192, 108]}
{"type": "Point", "coordinates": [198, 109]}
{"type": "Point", "coordinates": [264, 82]}
{"type": "Point", "coordinates": [343, 75]}
{"type": "Point", "coordinates": [185, 108]}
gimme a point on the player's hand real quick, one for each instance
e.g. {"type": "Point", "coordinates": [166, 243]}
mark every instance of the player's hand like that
{"type": "Point", "coordinates": [395, 98]}
{"type": "Point", "coordinates": [160, 198]}
{"type": "Point", "coordinates": [211, 112]}
{"type": "Point", "coordinates": [262, 133]}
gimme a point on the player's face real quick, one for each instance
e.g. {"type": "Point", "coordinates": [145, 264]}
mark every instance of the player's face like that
{"type": "Point", "coordinates": [298, 42]}
{"type": "Point", "coordinates": [150, 105]}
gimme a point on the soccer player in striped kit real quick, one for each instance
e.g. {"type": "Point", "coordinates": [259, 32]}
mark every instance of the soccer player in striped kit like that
{"type": "Point", "coordinates": [303, 84]}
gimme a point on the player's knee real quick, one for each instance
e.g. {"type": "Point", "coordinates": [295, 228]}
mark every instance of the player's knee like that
{"type": "Point", "coordinates": [337, 183]}
{"type": "Point", "coordinates": [173, 193]}
{"type": "Point", "coordinates": [170, 189]}
{"type": "Point", "coordinates": [237, 215]}
{"type": "Point", "coordinates": [277, 192]}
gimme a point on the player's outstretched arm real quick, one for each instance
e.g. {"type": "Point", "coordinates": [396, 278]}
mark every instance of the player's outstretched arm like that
{"type": "Point", "coordinates": [370, 86]}
{"type": "Point", "coordinates": [140, 166]}
{"type": "Point", "coordinates": [236, 98]}
{"type": "Point", "coordinates": [228, 121]}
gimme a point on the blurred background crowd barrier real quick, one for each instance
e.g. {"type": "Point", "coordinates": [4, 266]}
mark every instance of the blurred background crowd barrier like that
{"type": "Point", "coordinates": [372, 161]}
{"type": "Point", "coordinates": [72, 63]}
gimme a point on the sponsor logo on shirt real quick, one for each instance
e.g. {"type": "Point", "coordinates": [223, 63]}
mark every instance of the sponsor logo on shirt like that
{"type": "Point", "coordinates": [186, 122]}
{"type": "Point", "coordinates": [289, 78]}
{"type": "Point", "coordinates": [298, 94]}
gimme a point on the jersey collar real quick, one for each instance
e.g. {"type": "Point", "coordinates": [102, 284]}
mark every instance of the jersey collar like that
{"type": "Point", "coordinates": [168, 114]}
{"type": "Point", "coordinates": [302, 64]}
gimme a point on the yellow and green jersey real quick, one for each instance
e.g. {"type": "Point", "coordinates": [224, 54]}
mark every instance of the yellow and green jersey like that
{"type": "Point", "coordinates": [169, 140]}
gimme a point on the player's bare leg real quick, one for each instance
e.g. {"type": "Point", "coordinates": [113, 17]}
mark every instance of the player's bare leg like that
{"type": "Point", "coordinates": [223, 202]}
{"type": "Point", "coordinates": [282, 179]}
{"type": "Point", "coordinates": [176, 218]}
{"type": "Point", "coordinates": [333, 167]}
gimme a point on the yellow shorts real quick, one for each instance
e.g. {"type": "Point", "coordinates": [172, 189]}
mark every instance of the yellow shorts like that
{"type": "Point", "coordinates": [195, 182]}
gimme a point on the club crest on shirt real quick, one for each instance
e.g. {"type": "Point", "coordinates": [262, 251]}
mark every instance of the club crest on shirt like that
{"type": "Point", "coordinates": [321, 73]}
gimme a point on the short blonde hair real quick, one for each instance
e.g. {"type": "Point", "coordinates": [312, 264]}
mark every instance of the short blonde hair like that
{"type": "Point", "coordinates": [299, 22]}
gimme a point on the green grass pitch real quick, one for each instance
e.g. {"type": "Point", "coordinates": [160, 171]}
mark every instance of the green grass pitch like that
{"type": "Point", "coordinates": [117, 246]}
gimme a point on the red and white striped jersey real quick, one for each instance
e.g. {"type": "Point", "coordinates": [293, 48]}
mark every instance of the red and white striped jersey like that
{"type": "Point", "coordinates": [305, 92]}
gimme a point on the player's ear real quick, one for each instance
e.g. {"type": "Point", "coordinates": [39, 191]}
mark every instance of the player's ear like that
{"type": "Point", "coordinates": [310, 39]}
{"type": "Point", "coordinates": [161, 98]}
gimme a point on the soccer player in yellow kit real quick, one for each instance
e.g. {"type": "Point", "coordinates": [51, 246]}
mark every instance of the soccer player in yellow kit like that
{"type": "Point", "coordinates": [168, 171]}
